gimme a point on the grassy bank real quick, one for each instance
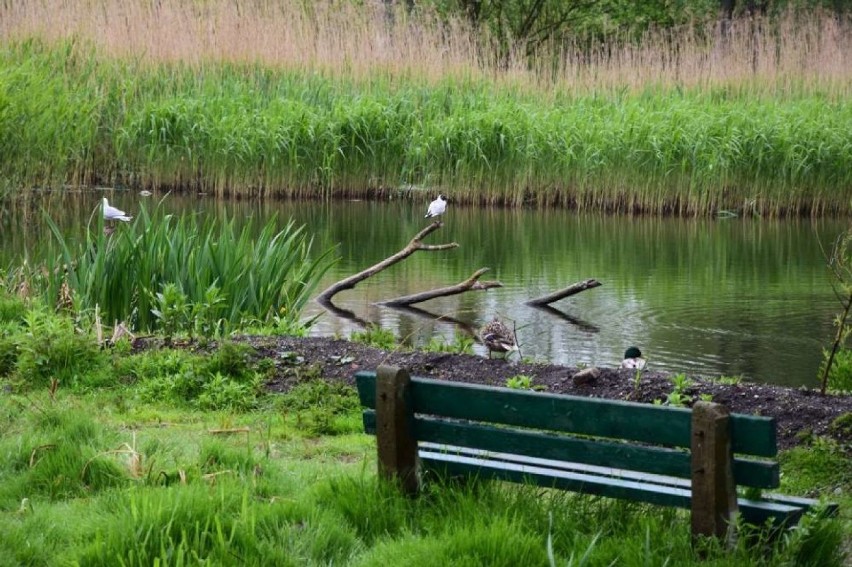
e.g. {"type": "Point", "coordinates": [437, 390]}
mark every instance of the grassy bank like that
{"type": "Point", "coordinates": [760, 126]}
{"type": "Point", "coordinates": [134, 474]}
{"type": "Point", "coordinates": [110, 456]}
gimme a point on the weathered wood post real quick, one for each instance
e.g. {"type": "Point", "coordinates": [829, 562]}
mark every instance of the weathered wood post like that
{"type": "Point", "coordinates": [714, 497]}
{"type": "Point", "coordinates": [397, 447]}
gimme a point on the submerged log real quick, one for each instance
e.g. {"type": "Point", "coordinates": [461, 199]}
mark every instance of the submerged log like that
{"type": "Point", "coordinates": [413, 246]}
{"type": "Point", "coordinates": [471, 283]}
{"type": "Point", "coordinates": [572, 289]}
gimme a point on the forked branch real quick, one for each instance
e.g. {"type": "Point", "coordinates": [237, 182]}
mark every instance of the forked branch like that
{"type": "Point", "coordinates": [413, 246]}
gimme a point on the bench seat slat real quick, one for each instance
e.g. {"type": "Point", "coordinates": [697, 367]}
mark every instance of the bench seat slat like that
{"type": "Point", "coordinates": [753, 435]}
{"type": "Point", "coordinates": [756, 512]}
{"type": "Point", "coordinates": [654, 460]}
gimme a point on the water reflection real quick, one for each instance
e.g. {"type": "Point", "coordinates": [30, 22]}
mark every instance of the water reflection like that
{"type": "Point", "coordinates": [735, 297]}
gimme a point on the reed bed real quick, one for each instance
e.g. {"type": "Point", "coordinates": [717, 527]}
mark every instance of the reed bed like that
{"type": "Point", "coordinates": [272, 99]}
{"type": "Point", "coordinates": [365, 41]}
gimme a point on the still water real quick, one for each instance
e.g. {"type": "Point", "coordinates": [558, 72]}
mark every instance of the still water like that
{"type": "Point", "coordinates": [733, 297]}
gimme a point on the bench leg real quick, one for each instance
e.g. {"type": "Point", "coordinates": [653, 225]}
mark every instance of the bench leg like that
{"type": "Point", "coordinates": [714, 497]}
{"type": "Point", "coordinates": [397, 447]}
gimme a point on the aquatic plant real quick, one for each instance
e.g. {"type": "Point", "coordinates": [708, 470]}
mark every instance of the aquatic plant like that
{"type": "Point", "coordinates": [220, 275]}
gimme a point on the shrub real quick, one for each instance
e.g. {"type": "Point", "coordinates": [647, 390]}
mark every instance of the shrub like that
{"type": "Point", "coordinates": [226, 379]}
{"type": "Point", "coordinates": [840, 375]}
{"type": "Point", "coordinates": [50, 348]}
{"type": "Point", "coordinates": [9, 339]}
{"type": "Point", "coordinates": [12, 309]}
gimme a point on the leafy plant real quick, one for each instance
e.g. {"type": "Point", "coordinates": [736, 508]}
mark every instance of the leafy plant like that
{"type": "Point", "coordinates": [221, 392]}
{"type": "Point", "coordinates": [171, 308]}
{"type": "Point", "coordinates": [840, 376]}
{"type": "Point", "coordinates": [461, 345]}
{"type": "Point", "coordinates": [12, 308]}
{"type": "Point", "coordinates": [51, 349]}
{"type": "Point", "coordinates": [520, 382]}
{"type": "Point", "coordinates": [679, 396]}
{"type": "Point", "coordinates": [839, 262]}
{"type": "Point", "coordinates": [637, 380]}
{"type": "Point", "coordinates": [678, 399]}
{"type": "Point", "coordinates": [10, 336]}
{"type": "Point", "coordinates": [375, 337]}
{"type": "Point", "coordinates": [226, 379]}
{"type": "Point", "coordinates": [729, 380]}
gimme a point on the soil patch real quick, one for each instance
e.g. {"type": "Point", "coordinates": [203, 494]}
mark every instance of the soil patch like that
{"type": "Point", "coordinates": [800, 413]}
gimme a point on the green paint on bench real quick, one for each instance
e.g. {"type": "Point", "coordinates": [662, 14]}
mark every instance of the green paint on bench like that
{"type": "Point", "coordinates": [752, 435]}
{"type": "Point", "coordinates": [607, 452]}
{"type": "Point", "coordinates": [656, 460]}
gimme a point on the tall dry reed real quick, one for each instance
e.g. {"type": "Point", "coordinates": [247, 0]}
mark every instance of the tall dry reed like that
{"type": "Point", "coordinates": [343, 39]}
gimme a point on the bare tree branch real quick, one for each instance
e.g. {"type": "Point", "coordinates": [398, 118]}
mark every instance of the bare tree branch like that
{"type": "Point", "coordinates": [471, 283]}
{"type": "Point", "coordinates": [565, 292]}
{"type": "Point", "coordinates": [413, 246]}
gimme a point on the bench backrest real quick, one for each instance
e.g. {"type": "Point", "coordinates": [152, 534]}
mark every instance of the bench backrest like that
{"type": "Point", "coordinates": [609, 433]}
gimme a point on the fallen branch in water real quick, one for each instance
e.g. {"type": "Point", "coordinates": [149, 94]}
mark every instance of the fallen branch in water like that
{"type": "Point", "coordinates": [572, 289]}
{"type": "Point", "coordinates": [470, 284]}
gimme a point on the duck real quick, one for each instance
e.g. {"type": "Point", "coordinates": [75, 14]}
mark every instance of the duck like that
{"type": "Point", "coordinates": [111, 213]}
{"type": "Point", "coordinates": [498, 337]}
{"type": "Point", "coordinates": [437, 207]}
{"type": "Point", "coordinates": [633, 359]}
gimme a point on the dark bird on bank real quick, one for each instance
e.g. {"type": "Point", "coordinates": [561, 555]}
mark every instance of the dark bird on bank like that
{"type": "Point", "coordinates": [633, 359]}
{"type": "Point", "coordinates": [437, 207]}
{"type": "Point", "coordinates": [497, 337]}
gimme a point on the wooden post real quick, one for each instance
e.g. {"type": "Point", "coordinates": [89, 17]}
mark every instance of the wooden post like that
{"type": "Point", "coordinates": [714, 497]}
{"type": "Point", "coordinates": [397, 447]}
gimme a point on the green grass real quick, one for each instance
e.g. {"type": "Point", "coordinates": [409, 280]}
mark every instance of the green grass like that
{"type": "Point", "coordinates": [279, 494]}
{"type": "Point", "coordinates": [142, 469]}
{"type": "Point", "coordinates": [244, 130]}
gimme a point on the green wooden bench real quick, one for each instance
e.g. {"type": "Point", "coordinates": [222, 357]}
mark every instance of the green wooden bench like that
{"type": "Point", "coordinates": [688, 458]}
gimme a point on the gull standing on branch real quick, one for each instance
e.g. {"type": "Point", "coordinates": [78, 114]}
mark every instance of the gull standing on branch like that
{"type": "Point", "coordinates": [436, 207]}
{"type": "Point", "coordinates": [111, 213]}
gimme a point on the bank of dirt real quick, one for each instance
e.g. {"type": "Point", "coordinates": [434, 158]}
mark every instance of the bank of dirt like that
{"type": "Point", "coordinates": [800, 413]}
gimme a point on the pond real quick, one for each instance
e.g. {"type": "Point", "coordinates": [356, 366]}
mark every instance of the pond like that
{"type": "Point", "coordinates": [734, 297]}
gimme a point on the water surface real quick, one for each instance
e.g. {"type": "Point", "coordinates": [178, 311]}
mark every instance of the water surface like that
{"type": "Point", "coordinates": [747, 297]}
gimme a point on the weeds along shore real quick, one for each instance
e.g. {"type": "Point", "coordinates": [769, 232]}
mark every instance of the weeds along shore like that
{"type": "Point", "coordinates": [677, 126]}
